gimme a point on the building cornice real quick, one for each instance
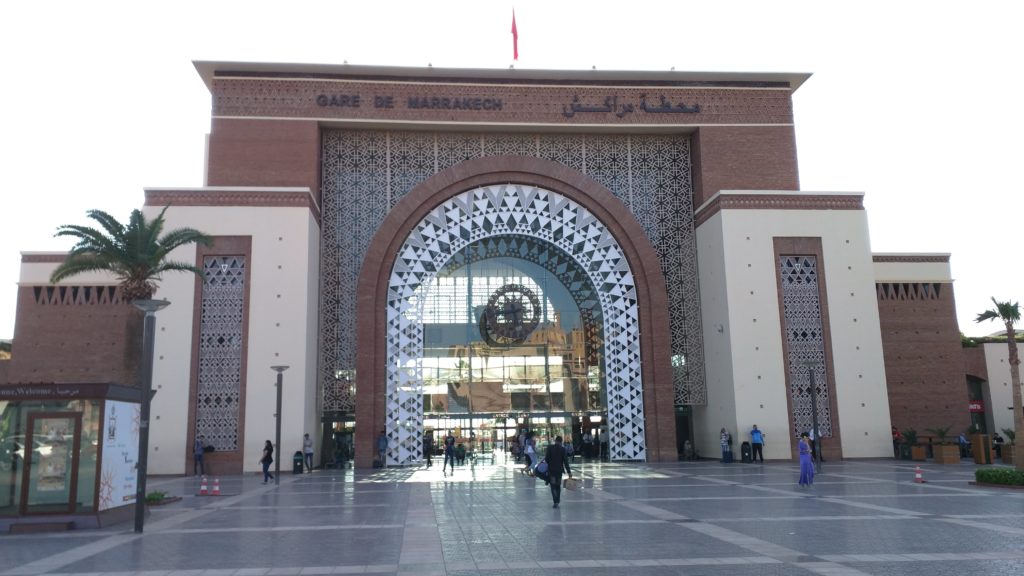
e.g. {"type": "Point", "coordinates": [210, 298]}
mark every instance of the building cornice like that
{"type": "Point", "coordinates": [43, 257]}
{"type": "Point", "coordinates": [235, 196]}
{"type": "Point", "coordinates": [499, 76]}
{"type": "Point", "coordinates": [911, 258]}
{"type": "Point", "coordinates": [776, 200]}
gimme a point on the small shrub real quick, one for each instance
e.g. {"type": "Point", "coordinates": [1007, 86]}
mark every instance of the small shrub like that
{"type": "Point", "coordinates": [155, 496]}
{"type": "Point", "coordinates": [942, 434]}
{"type": "Point", "coordinates": [1011, 435]}
{"type": "Point", "coordinates": [1003, 476]}
{"type": "Point", "coordinates": [910, 436]}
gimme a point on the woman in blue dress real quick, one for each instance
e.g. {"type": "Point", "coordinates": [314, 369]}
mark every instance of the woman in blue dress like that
{"type": "Point", "coordinates": [806, 465]}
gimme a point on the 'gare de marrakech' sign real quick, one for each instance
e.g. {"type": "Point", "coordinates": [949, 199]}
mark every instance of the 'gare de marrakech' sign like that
{"type": "Point", "coordinates": [610, 105]}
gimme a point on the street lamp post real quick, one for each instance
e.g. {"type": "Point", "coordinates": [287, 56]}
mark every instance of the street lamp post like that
{"type": "Point", "coordinates": [277, 416]}
{"type": "Point", "coordinates": [150, 307]}
{"type": "Point", "coordinates": [814, 418]}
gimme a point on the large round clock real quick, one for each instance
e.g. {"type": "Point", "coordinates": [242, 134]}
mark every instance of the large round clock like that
{"type": "Point", "coordinates": [511, 314]}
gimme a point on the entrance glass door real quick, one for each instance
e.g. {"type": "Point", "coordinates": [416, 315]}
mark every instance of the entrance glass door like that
{"type": "Point", "coordinates": [51, 466]}
{"type": "Point", "coordinates": [508, 346]}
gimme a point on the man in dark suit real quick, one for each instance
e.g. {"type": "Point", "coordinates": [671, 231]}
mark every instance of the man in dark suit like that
{"type": "Point", "coordinates": [557, 461]}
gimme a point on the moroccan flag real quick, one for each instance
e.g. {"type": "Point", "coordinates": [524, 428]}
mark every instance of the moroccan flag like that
{"type": "Point", "coordinates": [515, 37]}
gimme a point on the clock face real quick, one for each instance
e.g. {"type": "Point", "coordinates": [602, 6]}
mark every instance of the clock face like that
{"type": "Point", "coordinates": [511, 314]}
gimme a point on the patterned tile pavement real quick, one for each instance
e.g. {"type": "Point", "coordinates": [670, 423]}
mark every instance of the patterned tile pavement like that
{"type": "Point", "coordinates": [864, 517]}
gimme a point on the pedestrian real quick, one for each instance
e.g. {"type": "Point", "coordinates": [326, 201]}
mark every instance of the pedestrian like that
{"type": "Point", "coordinates": [588, 444]}
{"type": "Point", "coordinates": [266, 460]}
{"type": "Point", "coordinates": [531, 454]}
{"type": "Point", "coordinates": [897, 439]}
{"type": "Point", "coordinates": [603, 442]}
{"type": "Point", "coordinates": [806, 465]}
{"type": "Point", "coordinates": [382, 449]}
{"type": "Point", "coordinates": [997, 445]}
{"type": "Point", "coordinates": [198, 466]}
{"type": "Point", "coordinates": [557, 461]}
{"type": "Point", "coordinates": [449, 452]}
{"type": "Point", "coordinates": [815, 440]}
{"type": "Point", "coordinates": [726, 440]}
{"type": "Point", "coordinates": [756, 445]}
{"type": "Point", "coordinates": [428, 447]}
{"type": "Point", "coordinates": [307, 451]}
{"type": "Point", "coordinates": [965, 445]}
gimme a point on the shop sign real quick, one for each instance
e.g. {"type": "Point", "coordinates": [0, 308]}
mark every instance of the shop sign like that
{"type": "Point", "coordinates": [975, 406]}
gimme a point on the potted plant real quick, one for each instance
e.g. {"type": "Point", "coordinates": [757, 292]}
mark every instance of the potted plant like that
{"type": "Point", "coordinates": [947, 452]}
{"type": "Point", "coordinates": [1008, 448]}
{"type": "Point", "coordinates": [910, 439]}
{"type": "Point", "coordinates": [158, 498]}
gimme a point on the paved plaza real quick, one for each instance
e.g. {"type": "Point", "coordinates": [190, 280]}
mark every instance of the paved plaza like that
{"type": "Point", "coordinates": [685, 518]}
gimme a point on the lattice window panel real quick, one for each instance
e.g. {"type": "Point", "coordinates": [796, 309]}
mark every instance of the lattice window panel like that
{"type": "Point", "coordinates": [801, 305]}
{"type": "Point", "coordinates": [219, 387]}
{"type": "Point", "coordinates": [366, 172]}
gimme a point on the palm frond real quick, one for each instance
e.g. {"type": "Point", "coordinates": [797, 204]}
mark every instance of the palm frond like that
{"type": "Point", "coordinates": [135, 253]}
{"type": "Point", "coordinates": [1008, 312]}
{"type": "Point", "coordinates": [171, 266]}
{"type": "Point", "coordinates": [114, 228]}
{"type": "Point", "coordinates": [987, 315]}
{"type": "Point", "coordinates": [182, 237]}
{"type": "Point", "coordinates": [75, 265]}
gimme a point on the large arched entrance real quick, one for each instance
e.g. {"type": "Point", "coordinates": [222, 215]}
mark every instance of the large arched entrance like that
{"type": "Point", "coordinates": [509, 304]}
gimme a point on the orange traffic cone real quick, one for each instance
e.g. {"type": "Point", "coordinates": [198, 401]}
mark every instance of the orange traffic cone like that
{"type": "Point", "coordinates": [202, 486]}
{"type": "Point", "coordinates": [216, 486]}
{"type": "Point", "coordinates": [918, 478]}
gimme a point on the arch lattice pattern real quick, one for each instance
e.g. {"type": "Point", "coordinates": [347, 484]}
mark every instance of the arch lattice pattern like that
{"type": "Point", "coordinates": [496, 211]}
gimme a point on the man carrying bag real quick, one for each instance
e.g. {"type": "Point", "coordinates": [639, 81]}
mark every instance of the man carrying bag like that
{"type": "Point", "coordinates": [557, 461]}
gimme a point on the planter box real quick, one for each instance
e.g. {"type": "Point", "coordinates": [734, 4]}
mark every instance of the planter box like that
{"type": "Point", "coordinates": [918, 452]}
{"type": "Point", "coordinates": [1008, 453]}
{"type": "Point", "coordinates": [946, 454]}
{"type": "Point", "coordinates": [904, 452]}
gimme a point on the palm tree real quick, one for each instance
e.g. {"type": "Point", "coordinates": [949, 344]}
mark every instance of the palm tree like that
{"type": "Point", "coordinates": [1009, 313]}
{"type": "Point", "coordinates": [136, 254]}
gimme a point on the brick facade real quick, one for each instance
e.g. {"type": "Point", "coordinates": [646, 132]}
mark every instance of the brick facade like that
{"type": "Point", "coordinates": [70, 334]}
{"type": "Point", "coordinates": [743, 158]}
{"type": "Point", "coordinates": [924, 361]}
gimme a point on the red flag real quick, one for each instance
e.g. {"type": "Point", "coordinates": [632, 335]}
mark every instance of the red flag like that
{"type": "Point", "coordinates": [515, 37]}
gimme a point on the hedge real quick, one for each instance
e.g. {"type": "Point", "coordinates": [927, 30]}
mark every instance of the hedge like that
{"type": "Point", "coordinates": [1007, 476]}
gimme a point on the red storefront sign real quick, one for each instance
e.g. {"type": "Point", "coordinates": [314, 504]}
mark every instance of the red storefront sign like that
{"type": "Point", "coordinates": [976, 406]}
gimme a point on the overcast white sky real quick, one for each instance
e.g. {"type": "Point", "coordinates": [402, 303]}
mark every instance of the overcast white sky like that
{"type": "Point", "coordinates": [915, 103]}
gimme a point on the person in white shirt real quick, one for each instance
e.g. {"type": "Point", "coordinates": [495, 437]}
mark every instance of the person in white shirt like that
{"type": "Point", "coordinates": [307, 451]}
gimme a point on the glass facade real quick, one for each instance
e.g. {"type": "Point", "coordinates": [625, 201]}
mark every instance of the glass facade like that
{"type": "Point", "coordinates": [507, 346]}
{"type": "Point", "coordinates": [48, 456]}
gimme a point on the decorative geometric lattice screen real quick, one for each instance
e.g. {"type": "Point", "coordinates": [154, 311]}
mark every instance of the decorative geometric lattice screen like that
{"type": "Point", "coordinates": [801, 305]}
{"type": "Point", "coordinates": [365, 173]}
{"type": "Point", "coordinates": [220, 351]}
{"type": "Point", "coordinates": [511, 210]}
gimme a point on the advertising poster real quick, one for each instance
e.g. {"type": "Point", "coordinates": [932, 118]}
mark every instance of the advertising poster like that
{"type": "Point", "coordinates": [120, 451]}
{"type": "Point", "coordinates": [54, 455]}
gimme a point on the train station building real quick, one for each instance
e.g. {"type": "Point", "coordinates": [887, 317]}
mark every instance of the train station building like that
{"type": "Point", "coordinates": [622, 255]}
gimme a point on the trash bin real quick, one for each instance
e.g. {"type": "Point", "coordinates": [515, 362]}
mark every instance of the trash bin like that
{"type": "Point", "coordinates": [982, 448]}
{"type": "Point", "coordinates": [745, 453]}
{"type": "Point", "coordinates": [297, 463]}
